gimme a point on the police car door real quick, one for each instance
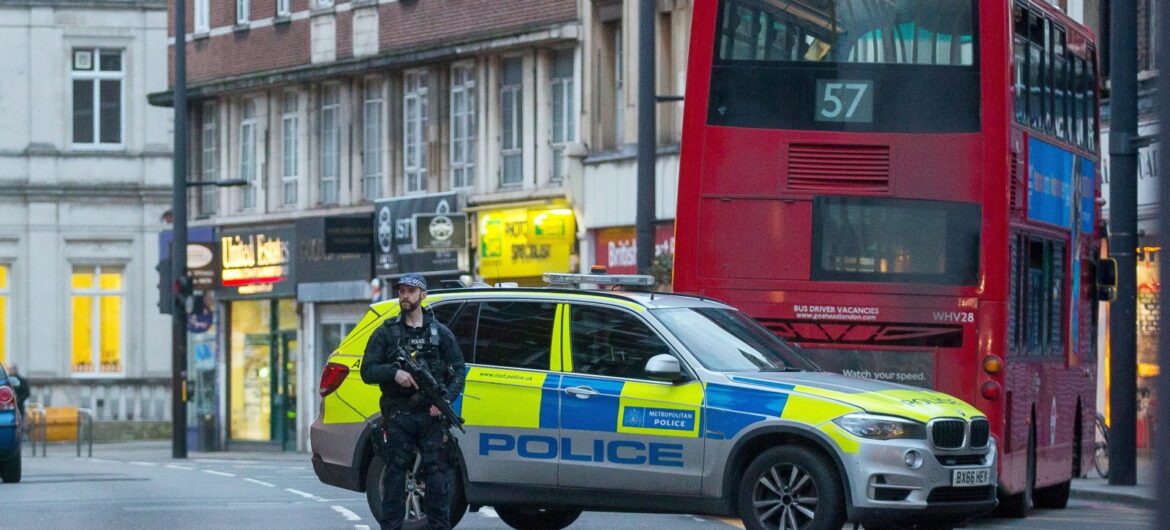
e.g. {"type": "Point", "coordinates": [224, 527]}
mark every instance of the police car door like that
{"type": "Point", "coordinates": [510, 400]}
{"type": "Point", "coordinates": [620, 429]}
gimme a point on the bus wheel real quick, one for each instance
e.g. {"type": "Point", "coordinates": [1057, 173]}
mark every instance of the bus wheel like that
{"type": "Point", "coordinates": [1055, 496]}
{"type": "Point", "coordinates": [1020, 504]}
{"type": "Point", "coordinates": [793, 488]}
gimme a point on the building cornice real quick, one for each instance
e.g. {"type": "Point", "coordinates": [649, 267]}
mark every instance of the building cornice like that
{"type": "Point", "coordinates": [56, 192]}
{"type": "Point", "coordinates": [122, 5]}
{"type": "Point", "coordinates": [41, 151]}
{"type": "Point", "coordinates": [559, 31]}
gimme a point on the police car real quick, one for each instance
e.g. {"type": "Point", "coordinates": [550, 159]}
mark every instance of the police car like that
{"type": "Point", "coordinates": [660, 402]}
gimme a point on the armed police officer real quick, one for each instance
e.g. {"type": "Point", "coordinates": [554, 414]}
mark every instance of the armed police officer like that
{"type": "Point", "coordinates": [410, 422]}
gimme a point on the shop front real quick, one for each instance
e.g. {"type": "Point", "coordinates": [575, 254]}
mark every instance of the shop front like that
{"type": "Point", "coordinates": [334, 264]}
{"type": "Point", "coordinates": [258, 293]}
{"type": "Point", "coordinates": [519, 243]}
{"type": "Point", "coordinates": [426, 234]}
{"type": "Point", "coordinates": [204, 361]}
{"type": "Point", "coordinates": [616, 249]}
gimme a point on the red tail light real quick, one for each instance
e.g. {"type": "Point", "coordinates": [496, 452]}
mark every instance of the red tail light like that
{"type": "Point", "coordinates": [332, 377]}
{"type": "Point", "coordinates": [7, 398]}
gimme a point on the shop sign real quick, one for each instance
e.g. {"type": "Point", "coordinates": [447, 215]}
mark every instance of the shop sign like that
{"type": "Point", "coordinates": [394, 232]}
{"type": "Point", "coordinates": [317, 263]}
{"type": "Point", "coordinates": [202, 263]}
{"type": "Point", "coordinates": [525, 242]}
{"type": "Point", "coordinates": [617, 248]}
{"type": "Point", "coordinates": [348, 234]}
{"type": "Point", "coordinates": [440, 231]}
{"type": "Point", "coordinates": [257, 263]}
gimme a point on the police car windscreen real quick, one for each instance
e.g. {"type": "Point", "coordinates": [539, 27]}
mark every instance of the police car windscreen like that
{"type": "Point", "coordinates": [728, 341]}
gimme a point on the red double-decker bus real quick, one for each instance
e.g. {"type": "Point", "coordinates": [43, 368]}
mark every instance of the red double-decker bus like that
{"type": "Point", "coordinates": [907, 189]}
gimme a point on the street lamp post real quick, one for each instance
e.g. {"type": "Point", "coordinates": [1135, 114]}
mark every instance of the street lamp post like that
{"type": "Point", "coordinates": [182, 283]}
{"type": "Point", "coordinates": [179, 242]}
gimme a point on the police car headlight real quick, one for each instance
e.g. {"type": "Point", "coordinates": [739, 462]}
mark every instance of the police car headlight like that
{"type": "Point", "coordinates": [881, 427]}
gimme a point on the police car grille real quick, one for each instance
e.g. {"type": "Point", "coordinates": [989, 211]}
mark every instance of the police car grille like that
{"type": "Point", "coordinates": [980, 432]}
{"type": "Point", "coordinates": [953, 494]}
{"type": "Point", "coordinates": [960, 460]}
{"type": "Point", "coordinates": [948, 434]}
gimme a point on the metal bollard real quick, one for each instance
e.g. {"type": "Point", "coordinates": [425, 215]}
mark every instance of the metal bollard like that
{"type": "Point", "coordinates": [88, 415]}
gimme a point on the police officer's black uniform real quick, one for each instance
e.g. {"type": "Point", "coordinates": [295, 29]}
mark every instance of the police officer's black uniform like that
{"type": "Point", "coordinates": [407, 420]}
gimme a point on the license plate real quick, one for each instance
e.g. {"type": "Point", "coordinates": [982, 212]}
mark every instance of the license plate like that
{"type": "Point", "coordinates": [971, 477]}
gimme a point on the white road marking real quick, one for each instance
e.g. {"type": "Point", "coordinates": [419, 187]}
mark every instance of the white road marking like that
{"type": "Point", "coordinates": [304, 494]}
{"type": "Point", "coordinates": [361, 527]}
{"type": "Point", "coordinates": [488, 511]}
{"type": "Point", "coordinates": [260, 482]}
{"type": "Point", "coordinates": [101, 460]}
{"type": "Point", "coordinates": [177, 466]}
{"type": "Point", "coordinates": [148, 464]}
{"type": "Point", "coordinates": [220, 473]}
{"type": "Point", "coordinates": [348, 515]}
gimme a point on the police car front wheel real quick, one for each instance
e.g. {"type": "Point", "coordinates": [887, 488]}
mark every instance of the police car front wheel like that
{"type": "Point", "coordinates": [528, 518]}
{"type": "Point", "coordinates": [791, 488]}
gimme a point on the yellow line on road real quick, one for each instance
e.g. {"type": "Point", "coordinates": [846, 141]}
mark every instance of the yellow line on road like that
{"type": "Point", "coordinates": [732, 521]}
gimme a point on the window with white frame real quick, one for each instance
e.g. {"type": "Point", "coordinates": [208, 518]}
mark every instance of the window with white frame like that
{"type": "Point", "coordinates": [98, 322]}
{"type": "Point", "coordinates": [97, 76]}
{"type": "Point", "coordinates": [248, 153]}
{"type": "Point", "coordinates": [564, 121]}
{"type": "Point", "coordinates": [619, 86]}
{"type": "Point", "coordinates": [242, 11]}
{"type": "Point", "coordinates": [414, 131]}
{"type": "Point", "coordinates": [288, 148]}
{"type": "Point", "coordinates": [373, 108]}
{"type": "Point", "coordinates": [208, 159]}
{"type": "Point", "coordinates": [330, 143]}
{"type": "Point", "coordinates": [463, 126]}
{"type": "Point", "coordinates": [511, 121]}
{"type": "Point", "coordinates": [283, 8]}
{"type": "Point", "coordinates": [202, 16]}
{"type": "Point", "coordinates": [5, 292]}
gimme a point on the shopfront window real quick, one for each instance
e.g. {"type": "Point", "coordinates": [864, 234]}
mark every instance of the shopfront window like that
{"type": "Point", "coordinates": [97, 293]}
{"type": "Point", "coordinates": [263, 371]}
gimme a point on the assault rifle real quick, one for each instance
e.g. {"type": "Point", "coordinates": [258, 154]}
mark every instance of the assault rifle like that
{"type": "Point", "coordinates": [430, 391]}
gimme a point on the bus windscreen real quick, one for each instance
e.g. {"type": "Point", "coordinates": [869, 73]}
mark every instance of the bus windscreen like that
{"type": "Point", "coordinates": [846, 65]}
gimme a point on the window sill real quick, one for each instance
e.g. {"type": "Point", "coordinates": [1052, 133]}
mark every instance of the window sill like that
{"type": "Point", "coordinates": [363, 3]}
{"type": "Point", "coordinates": [242, 26]}
{"type": "Point", "coordinates": [200, 35]}
{"type": "Point", "coordinates": [322, 10]}
{"type": "Point", "coordinates": [281, 19]}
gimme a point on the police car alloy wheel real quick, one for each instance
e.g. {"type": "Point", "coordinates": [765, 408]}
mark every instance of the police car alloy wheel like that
{"type": "Point", "coordinates": [415, 491]}
{"type": "Point", "coordinates": [791, 488]}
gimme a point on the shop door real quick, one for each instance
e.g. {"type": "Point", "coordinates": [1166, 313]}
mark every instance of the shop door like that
{"type": "Point", "coordinates": [284, 391]}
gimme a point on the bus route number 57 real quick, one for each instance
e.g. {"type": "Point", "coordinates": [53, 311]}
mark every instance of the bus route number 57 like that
{"type": "Point", "coordinates": [844, 101]}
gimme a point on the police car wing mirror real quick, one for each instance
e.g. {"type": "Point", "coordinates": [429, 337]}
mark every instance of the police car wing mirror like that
{"type": "Point", "coordinates": [665, 367]}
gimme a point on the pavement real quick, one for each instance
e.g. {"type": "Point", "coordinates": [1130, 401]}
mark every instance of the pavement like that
{"type": "Point", "coordinates": [1092, 487]}
{"type": "Point", "coordinates": [1141, 495]}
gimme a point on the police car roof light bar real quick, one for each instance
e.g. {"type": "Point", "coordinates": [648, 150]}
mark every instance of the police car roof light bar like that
{"type": "Point", "coordinates": [556, 279]}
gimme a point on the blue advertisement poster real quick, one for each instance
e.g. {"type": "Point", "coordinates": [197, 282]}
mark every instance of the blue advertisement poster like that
{"type": "Point", "coordinates": [1050, 183]}
{"type": "Point", "coordinates": [1087, 174]}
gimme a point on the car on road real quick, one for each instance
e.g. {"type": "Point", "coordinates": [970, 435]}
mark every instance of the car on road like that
{"type": "Point", "coordinates": [660, 402]}
{"type": "Point", "coordinates": [10, 430]}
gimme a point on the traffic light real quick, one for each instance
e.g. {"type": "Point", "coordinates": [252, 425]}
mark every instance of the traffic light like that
{"type": "Point", "coordinates": [184, 285]}
{"type": "Point", "coordinates": [166, 297]}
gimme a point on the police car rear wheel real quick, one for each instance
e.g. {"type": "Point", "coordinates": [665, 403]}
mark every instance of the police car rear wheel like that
{"type": "Point", "coordinates": [791, 488]}
{"type": "Point", "coordinates": [528, 518]}
{"type": "Point", "coordinates": [415, 519]}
